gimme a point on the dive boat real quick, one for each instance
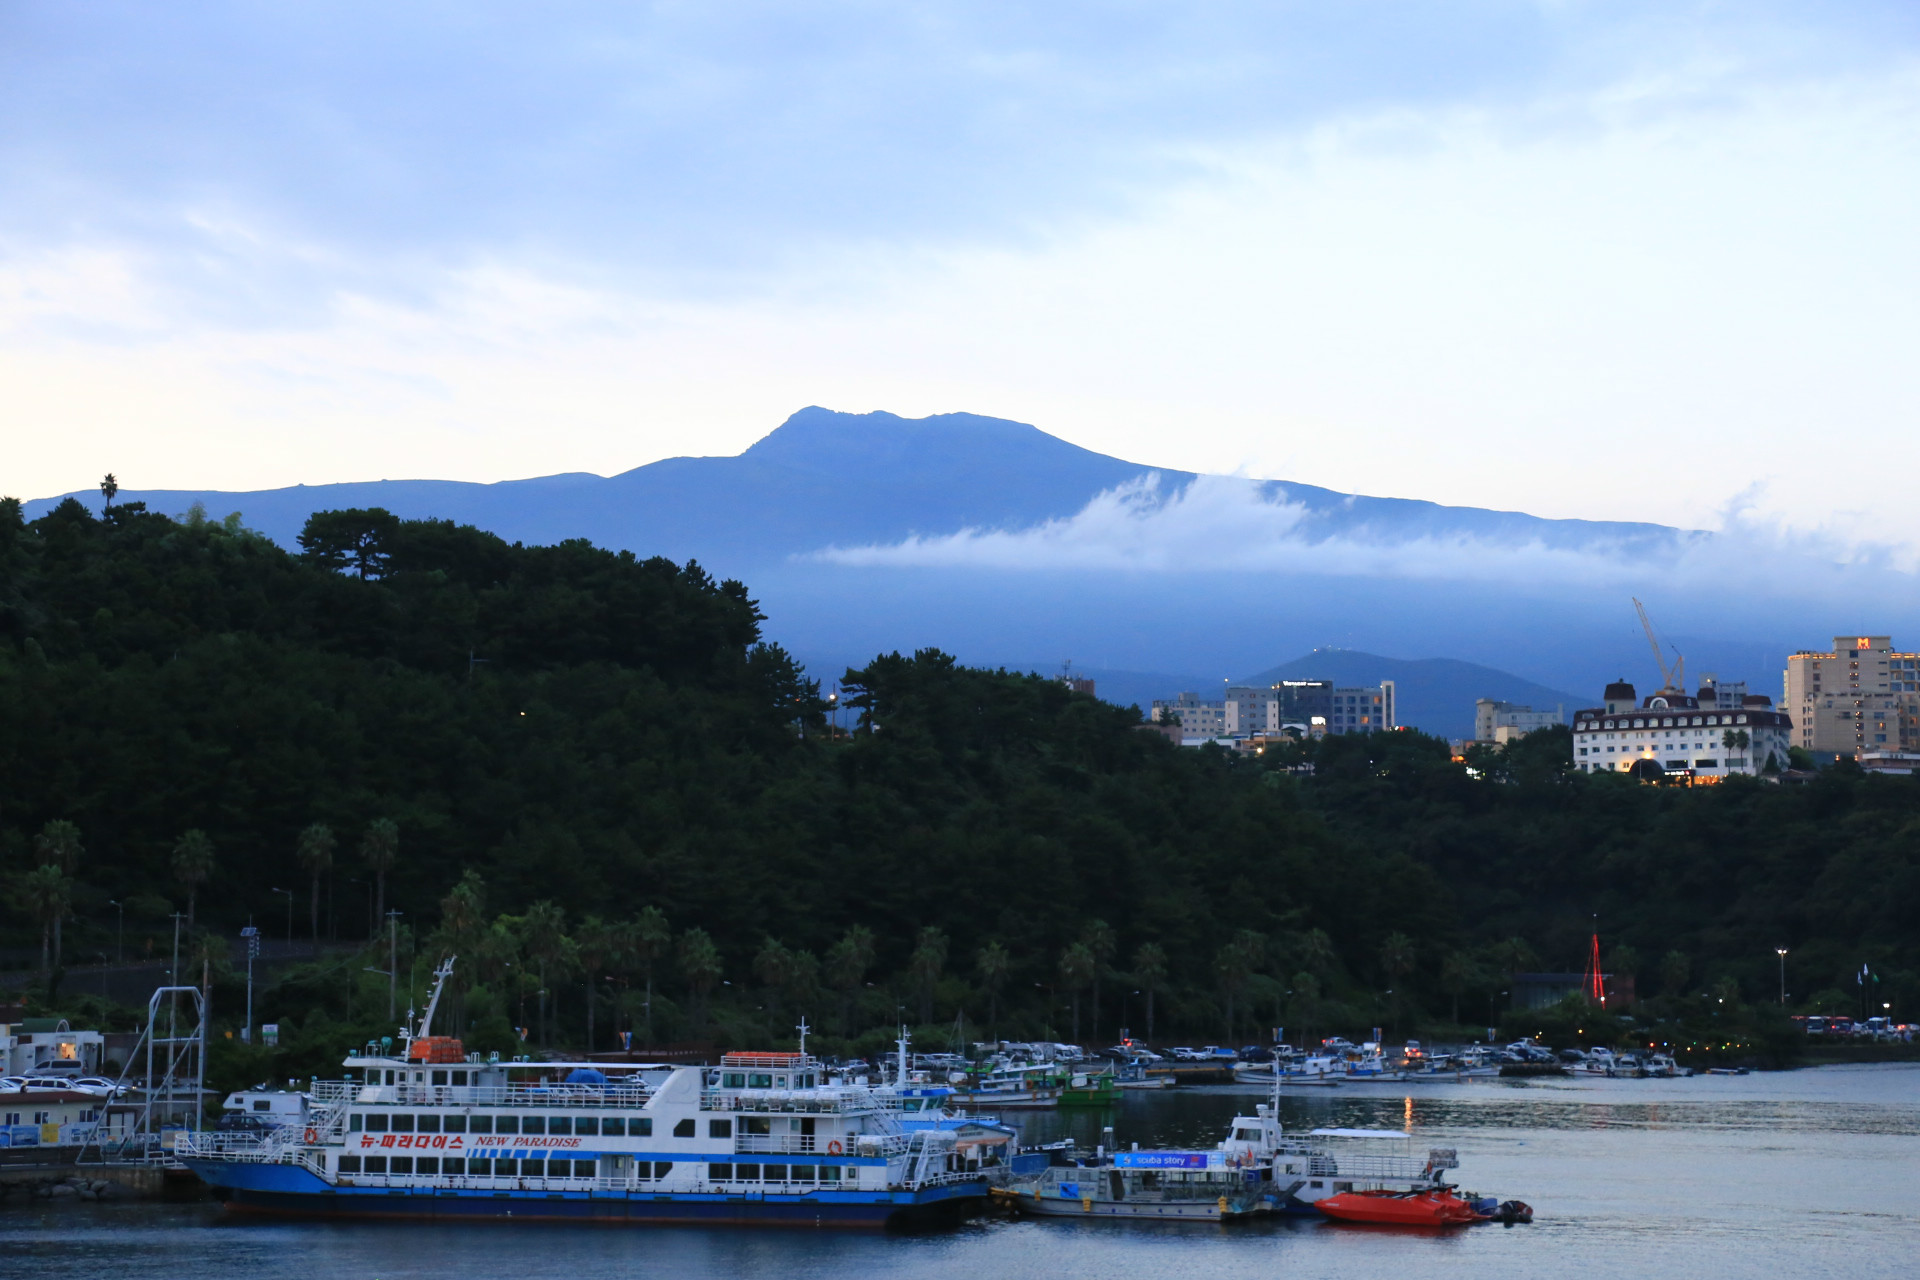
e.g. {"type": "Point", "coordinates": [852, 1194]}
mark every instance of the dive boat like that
{"type": "Point", "coordinates": [423, 1129]}
{"type": "Point", "coordinates": [1239, 1177]}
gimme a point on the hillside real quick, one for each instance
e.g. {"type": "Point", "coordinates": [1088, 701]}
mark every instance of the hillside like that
{"type": "Point", "coordinates": [589, 772]}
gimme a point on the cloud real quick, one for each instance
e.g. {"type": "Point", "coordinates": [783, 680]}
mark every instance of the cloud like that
{"type": "Point", "coordinates": [1229, 525]}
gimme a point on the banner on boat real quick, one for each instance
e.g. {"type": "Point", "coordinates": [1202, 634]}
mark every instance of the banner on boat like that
{"type": "Point", "coordinates": [1160, 1159]}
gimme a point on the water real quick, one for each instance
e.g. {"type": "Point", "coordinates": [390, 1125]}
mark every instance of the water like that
{"type": "Point", "coordinates": [1808, 1174]}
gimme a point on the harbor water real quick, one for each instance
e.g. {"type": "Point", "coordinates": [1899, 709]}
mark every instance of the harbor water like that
{"type": "Point", "coordinates": [1806, 1174]}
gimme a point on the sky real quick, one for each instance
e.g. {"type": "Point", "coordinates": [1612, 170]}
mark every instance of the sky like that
{"type": "Point", "coordinates": [1618, 261]}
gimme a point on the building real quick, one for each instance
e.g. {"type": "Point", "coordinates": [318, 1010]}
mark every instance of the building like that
{"type": "Point", "coordinates": [1858, 697]}
{"type": "Point", "coordinates": [1308, 708]}
{"type": "Point", "coordinates": [49, 1047]}
{"type": "Point", "coordinates": [1504, 721]}
{"type": "Point", "coordinates": [1672, 733]}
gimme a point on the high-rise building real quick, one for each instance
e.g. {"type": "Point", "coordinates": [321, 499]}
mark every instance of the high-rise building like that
{"type": "Point", "coordinates": [1859, 696]}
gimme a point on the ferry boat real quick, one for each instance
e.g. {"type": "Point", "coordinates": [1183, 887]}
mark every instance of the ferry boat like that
{"type": "Point", "coordinates": [433, 1132]}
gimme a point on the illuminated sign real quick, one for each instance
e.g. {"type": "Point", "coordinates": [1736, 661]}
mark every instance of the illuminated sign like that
{"type": "Point", "coordinates": [1160, 1160]}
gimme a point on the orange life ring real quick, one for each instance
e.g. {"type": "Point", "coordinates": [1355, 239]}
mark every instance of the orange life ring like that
{"type": "Point", "coordinates": [833, 1148]}
{"type": "Point", "coordinates": [312, 1137]}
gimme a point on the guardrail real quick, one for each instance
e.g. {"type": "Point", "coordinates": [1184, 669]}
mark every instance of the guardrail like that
{"type": "Point", "coordinates": [347, 1093]}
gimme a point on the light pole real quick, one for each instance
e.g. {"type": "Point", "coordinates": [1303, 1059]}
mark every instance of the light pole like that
{"type": "Point", "coordinates": [393, 961]}
{"type": "Point", "coordinates": [252, 935]}
{"type": "Point", "coordinates": [1782, 953]}
{"type": "Point", "coordinates": [289, 894]}
{"type": "Point", "coordinates": [119, 933]}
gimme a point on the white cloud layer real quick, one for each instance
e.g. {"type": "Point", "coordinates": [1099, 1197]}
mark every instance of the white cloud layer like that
{"type": "Point", "coordinates": [1222, 524]}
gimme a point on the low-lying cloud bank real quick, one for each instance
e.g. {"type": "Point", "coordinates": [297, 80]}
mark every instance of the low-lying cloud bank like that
{"type": "Point", "coordinates": [1227, 524]}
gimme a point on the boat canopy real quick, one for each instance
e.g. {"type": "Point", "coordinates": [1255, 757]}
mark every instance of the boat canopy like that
{"type": "Point", "coordinates": [1359, 1133]}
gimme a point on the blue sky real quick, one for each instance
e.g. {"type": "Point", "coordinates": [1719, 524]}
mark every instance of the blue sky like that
{"type": "Point", "coordinates": [1619, 261]}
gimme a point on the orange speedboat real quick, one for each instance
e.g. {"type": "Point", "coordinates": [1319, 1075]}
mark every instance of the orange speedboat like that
{"type": "Point", "coordinates": [1399, 1208]}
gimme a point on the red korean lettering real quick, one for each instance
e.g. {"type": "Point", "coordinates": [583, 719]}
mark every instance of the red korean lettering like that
{"type": "Point", "coordinates": [366, 1139]}
{"type": "Point", "coordinates": [386, 1140]}
{"type": "Point", "coordinates": [440, 1140]}
{"type": "Point", "coordinates": [456, 1141]}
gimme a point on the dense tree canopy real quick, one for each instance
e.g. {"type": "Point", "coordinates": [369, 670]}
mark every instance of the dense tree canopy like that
{"type": "Point", "coordinates": [591, 766]}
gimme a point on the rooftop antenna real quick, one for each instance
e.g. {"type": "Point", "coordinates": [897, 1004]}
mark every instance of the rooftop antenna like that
{"type": "Point", "coordinates": [433, 1001]}
{"type": "Point", "coordinates": [1675, 677]}
{"type": "Point", "coordinates": [803, 1028]}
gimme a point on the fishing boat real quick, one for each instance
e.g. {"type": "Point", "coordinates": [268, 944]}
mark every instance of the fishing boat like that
{"type": "Point", "coordinates": [1009, 1087]}
{"type": "Point", "coordinates": [422, 1129]}
{"type": "Point", "coordinates": [1089, 1089]}
{"type": "Point", "coordinates": [1315, 1071]}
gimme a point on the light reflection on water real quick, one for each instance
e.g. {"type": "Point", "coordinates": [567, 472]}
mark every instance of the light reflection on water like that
{"type": "Point", "coordinates": [1812, 1173]}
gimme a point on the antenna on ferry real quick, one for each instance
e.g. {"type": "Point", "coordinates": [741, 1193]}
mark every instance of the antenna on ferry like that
{"type": "Point", "coordinates": [803, 1029]}
{"type": "Point", "coordinates": [900, 1077]}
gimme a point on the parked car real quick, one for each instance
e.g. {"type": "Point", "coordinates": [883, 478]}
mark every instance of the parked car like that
{"type": "Point", "coordinates": [1186, 1053]}
{"type": "Point", "coordinates": [98, 1086]}
{"type": "Point", "coordinates": [1255, 1053]}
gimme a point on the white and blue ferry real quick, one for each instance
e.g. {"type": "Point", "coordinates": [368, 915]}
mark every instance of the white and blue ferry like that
{"type": "Point", "coordinates": [434, 1132]}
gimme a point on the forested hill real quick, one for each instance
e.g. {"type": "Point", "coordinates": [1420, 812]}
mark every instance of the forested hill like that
{"type": "Point", "coordinates": [586, 770]}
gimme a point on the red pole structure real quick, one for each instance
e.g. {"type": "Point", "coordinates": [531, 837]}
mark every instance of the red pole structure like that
{"type": "Point", "coordinates": [1595, 987]}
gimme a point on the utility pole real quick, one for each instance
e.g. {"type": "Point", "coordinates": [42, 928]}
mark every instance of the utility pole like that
{"type": "Point", "coordinates": [393, 962]}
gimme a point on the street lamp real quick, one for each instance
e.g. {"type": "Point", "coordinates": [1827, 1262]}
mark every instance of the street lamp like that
{"type": "Point", "coordinates": [1782, 953]}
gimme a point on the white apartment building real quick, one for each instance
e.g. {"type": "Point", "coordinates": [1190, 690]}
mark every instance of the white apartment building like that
{"type": "Point", "coordinates": [1198, 717]}
{"type": "Point", "coordinates": [1859, 697]}
{"type": "Point", "coordinates": [1495, 721]}
{"type": "Point", "coordinates": [1681, 734]}
{"type": "Point", "coordinates": [1316, 707]}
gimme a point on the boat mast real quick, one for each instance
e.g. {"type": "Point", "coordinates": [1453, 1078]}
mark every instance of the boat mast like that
{"type": "Point", "coordinates": [433, 1001]}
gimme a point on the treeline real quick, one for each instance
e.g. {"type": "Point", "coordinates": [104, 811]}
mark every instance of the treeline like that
{"type": "Point", "coordinates": [590, 776]}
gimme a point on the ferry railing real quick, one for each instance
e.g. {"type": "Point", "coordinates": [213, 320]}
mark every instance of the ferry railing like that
{"type": "Point", "coordinates": [828, 1101]}
{"type": "Point", "coordinates": [574, 1097]}
{"type": "Point", "coordinates": [778, 1144]}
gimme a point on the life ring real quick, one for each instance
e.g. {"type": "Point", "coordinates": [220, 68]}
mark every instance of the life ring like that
{"type": "Point", "coordinates": [312, 1137]}
{"type": "Point", "coordinates": [833, 1148]}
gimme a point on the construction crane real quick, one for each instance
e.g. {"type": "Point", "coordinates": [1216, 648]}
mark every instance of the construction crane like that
{"type": "Point", "coordinates": [1675, 677]}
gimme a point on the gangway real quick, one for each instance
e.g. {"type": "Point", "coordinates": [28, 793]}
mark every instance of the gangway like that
{"type": "Point", "coordinates": [171, 1093]}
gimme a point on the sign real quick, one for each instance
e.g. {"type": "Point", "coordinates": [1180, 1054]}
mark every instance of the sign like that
{"type": "Point", "coordinates": [270, 1034]}
{"type": "Point", "coordinates": [1159, 1159]}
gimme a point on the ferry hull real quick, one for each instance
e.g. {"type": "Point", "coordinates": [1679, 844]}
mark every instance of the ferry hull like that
{"type": "Point", "coordinates": [285, 1190]}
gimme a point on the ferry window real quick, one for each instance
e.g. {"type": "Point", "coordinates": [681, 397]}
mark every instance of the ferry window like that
{"type": "Point", "coordinates": [505, 1168]}
{"type": "Point", "coordinates": [533, 1167]}
{"type": "Point", "coordinates": [376, 1164]}
{"type": "Point", "coordinates": [747, 1172]}
{"type": "Point", "coordinates": [459, 1078]}
{"type": "Point", "coordinates": [560, 1124]}
{"type": "Point", "coordinates": [720, 1173]}
{"type": "Point", "coordinates": [439, 1077]}
{"type": "Point", "coordinates": [780, 1083]}
{"type": "Point", "coordinates": [719, 1128]}
{"type": "Point", "coordinates": [829, 1173]}
{"type": "Point", "coordinates": [427, 1164]}
{"type": "Point", "coordinates": [354, 1122]}
{"type": "Point", "coordinates": [454, 1165]}
{"type": "Point", "coordinates": [684, 1129]}
{"type": "Point", "coordinates": [756, 1124]}
{"type": "Point", "coordinates": [428, 1124]}
{"type": "Point", "coordinates": [733, 1080]}
{"type": "Point", "coordinates": [403, 1124]}
{"type": "Point", "coordinates": [586, 1126]}
{"type": "Point", "coordinates": [401, 1164]}
{"type": "Point", "coordinates": [376, 1123]}
{"type": "Point", "coordinates": [775, 1173]}
{"type": "Point", "coordinates": [469, 1124]}
{"type": "Point", "coordinates": [583, 1168]}
{"type": "Point", "coordinates": [533, 1124]}
{"type": "Point", "coordinates": [349, 1164]}
{"type": "Point", "coordinates": [760, 1081]}
{"type": "Point", "coordinates": [614, 1127]}
{"type": "Point", "coordinates": [506, 1124]}
{"type": "Point", "coordinates": [662, 1168]}
{"type": "Point", "coordinates": [641, 1128]}
{"type": "Point", "coordinates": [804, 1172]}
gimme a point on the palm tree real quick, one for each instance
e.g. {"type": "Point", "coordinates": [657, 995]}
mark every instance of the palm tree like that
{"type": "Point", "coordinates": [48, 894]}
{"type": "Point", "coordinates": [1235, 963]}
{"type": "Point", "coordinates": [700, 966]}
{"type": "Point", "coordinates": [192, 864]}
{"type": "Point", "coordinates": [928, 959]}
{"type": "Point", "coordinates": [601, 946]}
{"type": "Point", "coordinates": [847, 963]}
{"type": "Point", "coordinates": [993, 964]}
{"type": "Point", "coordinates": [548, 947]}
{"type": "Point", "coordinates": [314, 848]}
{"type": "Point", "coordinates": [1459, 975]}
{"type": "Point", "coordinates": [1397, 958]}
{"type": "Point", "coordinates": [774, 967]}
{"type": "Point", "coordinates": [1735, 740]}
{"type": "Point", "coordinates": [1099, 939]}
{"type": "Point", "coordinates": [109, 489]}
{"type": "Point", "coordinates": [463, 925]}
{"type": "Point", "coordinates": [651, 936]}
{"type": "Point", "coordinates": [58, 845]}
{"type": "Point", "coordinates": [1077, 967]}
{"type": "Point", "coordinates": [1150, 971]}
{"type": "Point", "coordinates": [378, 849]}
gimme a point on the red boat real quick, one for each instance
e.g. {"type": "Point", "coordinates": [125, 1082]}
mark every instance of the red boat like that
{"type": "Point", "coordinates": [1399, 1208]}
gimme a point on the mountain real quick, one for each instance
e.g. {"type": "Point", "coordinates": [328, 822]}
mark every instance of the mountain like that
{"type": "Point", "coordinates": [1434, 694]}
{"type": "Point", "coordinates": [1083, 559]}
{"type": "Point", "coordinates": [824, 479]}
